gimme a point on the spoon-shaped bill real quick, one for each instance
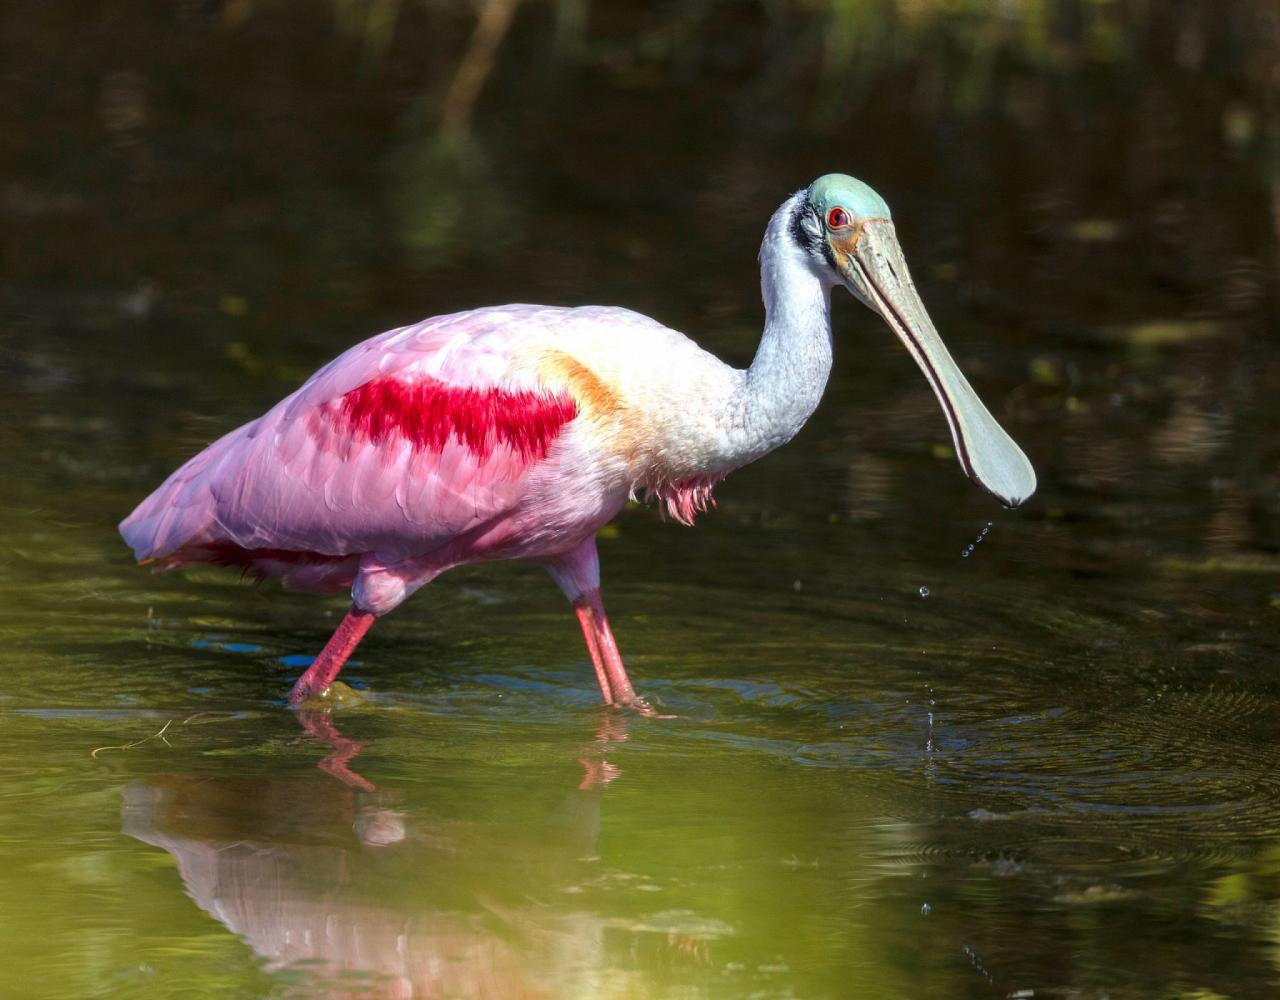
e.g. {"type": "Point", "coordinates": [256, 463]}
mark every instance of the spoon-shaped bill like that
{"type": "Point", "coordinates": [877, 274]}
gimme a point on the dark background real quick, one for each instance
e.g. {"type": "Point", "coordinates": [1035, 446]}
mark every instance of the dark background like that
{"type": "Point", "coordinates": [1068, 750]}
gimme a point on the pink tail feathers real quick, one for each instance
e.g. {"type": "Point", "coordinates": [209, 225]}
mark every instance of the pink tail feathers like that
{"type": "Point", "coordinates": [181, 511]}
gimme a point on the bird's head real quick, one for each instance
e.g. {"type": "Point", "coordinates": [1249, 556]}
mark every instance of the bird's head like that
{"type": "Point", "coordinates": [845, 229]}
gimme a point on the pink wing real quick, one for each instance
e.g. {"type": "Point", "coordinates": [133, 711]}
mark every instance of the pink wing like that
{"type": "Point", "coordinates": [396, 447]}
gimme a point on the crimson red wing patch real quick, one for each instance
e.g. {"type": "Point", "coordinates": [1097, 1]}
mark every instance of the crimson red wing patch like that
{"type": "Point", "coordinates": [428, 412]}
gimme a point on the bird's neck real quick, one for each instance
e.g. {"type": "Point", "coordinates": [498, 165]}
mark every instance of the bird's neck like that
{"type": "Point", "coordinates": [781, 389]}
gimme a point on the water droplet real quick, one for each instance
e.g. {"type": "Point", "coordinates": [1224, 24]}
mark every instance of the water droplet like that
{"type": "Point", "coordinates": [924, 591]}
{"type": "Point", "coordinates": [977, 541]}
{"type": "Point", "coordinates": [924, 909]}
{"type": "Point", "coordinates": [930, 718]}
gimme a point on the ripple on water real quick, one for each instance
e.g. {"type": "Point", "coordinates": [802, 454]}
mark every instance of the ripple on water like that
{"type": "Point", "coordinates": [1176, 776]}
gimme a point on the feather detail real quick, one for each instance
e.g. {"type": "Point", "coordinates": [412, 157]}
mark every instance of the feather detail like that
{"type": "Point", "coordinates": [684, 499]}
{"type": "Point", "coordinates": [428, 412]}
{"type": "Point", "coordinates": [510, 432]}
{"type": "Point", "coordinates": [594, 397]}
{"type": "Point", "coordinates": [298, 570]}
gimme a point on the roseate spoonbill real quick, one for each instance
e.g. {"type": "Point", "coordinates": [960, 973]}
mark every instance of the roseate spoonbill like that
{"type": "Point", "coordinates": [517, 432]}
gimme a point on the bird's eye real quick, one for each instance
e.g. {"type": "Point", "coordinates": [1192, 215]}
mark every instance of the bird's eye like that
{"type": "Point", "coordinates": [838, 218]}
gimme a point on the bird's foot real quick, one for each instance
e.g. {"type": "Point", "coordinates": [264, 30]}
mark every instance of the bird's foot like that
{"type": "Point", "coordinates": [336, 695]}
{"type": "Point", "coordinates": [640, 707]}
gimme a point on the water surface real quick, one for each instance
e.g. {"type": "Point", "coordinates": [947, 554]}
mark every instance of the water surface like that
{"type": "Point", "coordinates": [1054, 775]}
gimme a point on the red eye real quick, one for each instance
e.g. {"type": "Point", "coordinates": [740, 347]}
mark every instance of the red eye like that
{"type": "Point", "coordinates": [838, 218]}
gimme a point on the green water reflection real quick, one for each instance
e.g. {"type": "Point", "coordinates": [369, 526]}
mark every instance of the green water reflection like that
{"type": "Point", "coordinates": [1055, 775]}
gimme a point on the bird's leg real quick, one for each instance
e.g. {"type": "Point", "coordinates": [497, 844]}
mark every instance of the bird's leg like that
{"type": "Point", "coordinates": [600, 641]}
{"type": "Point", "coordinates": [324, 669]}
{"type": "Point", "coordinates": [578, 574]}
{"type": "Point", "coordinates": [589, 633]}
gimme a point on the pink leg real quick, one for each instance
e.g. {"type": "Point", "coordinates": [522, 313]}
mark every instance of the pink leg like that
{"type": "Point", "coordinates": [325, 669]}
{"type": "Point", "coordinates": [578, 574]}
{"type": "Point", "coordinates": [614, 683]}
{"type": "Point", "coordinates": [589, 633]}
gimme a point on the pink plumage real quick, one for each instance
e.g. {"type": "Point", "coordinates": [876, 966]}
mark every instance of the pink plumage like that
{"type": "Point", "coordinates": [346, 465]}
{"type": "Point", "coordinates": [517, 432]}
{"type": "Point", "coordinates": [429, 412]}
{"type": "Point", "coordinates": [452, 441]}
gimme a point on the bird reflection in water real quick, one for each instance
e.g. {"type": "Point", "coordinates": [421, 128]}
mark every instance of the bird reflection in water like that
{"type": "Point", "coordinates": [330, 879]}
{"type": "Point", "coordinates": [319, 725]}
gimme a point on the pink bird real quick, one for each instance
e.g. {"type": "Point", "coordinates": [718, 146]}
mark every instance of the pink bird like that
{"type": "Point", "coordinates": [519, 431]}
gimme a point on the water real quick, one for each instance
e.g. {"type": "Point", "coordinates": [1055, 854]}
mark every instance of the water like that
{"type": "Point", "coordinates": [976, 542]}
{"type": "Point", "coordinates": [1057, 776]}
